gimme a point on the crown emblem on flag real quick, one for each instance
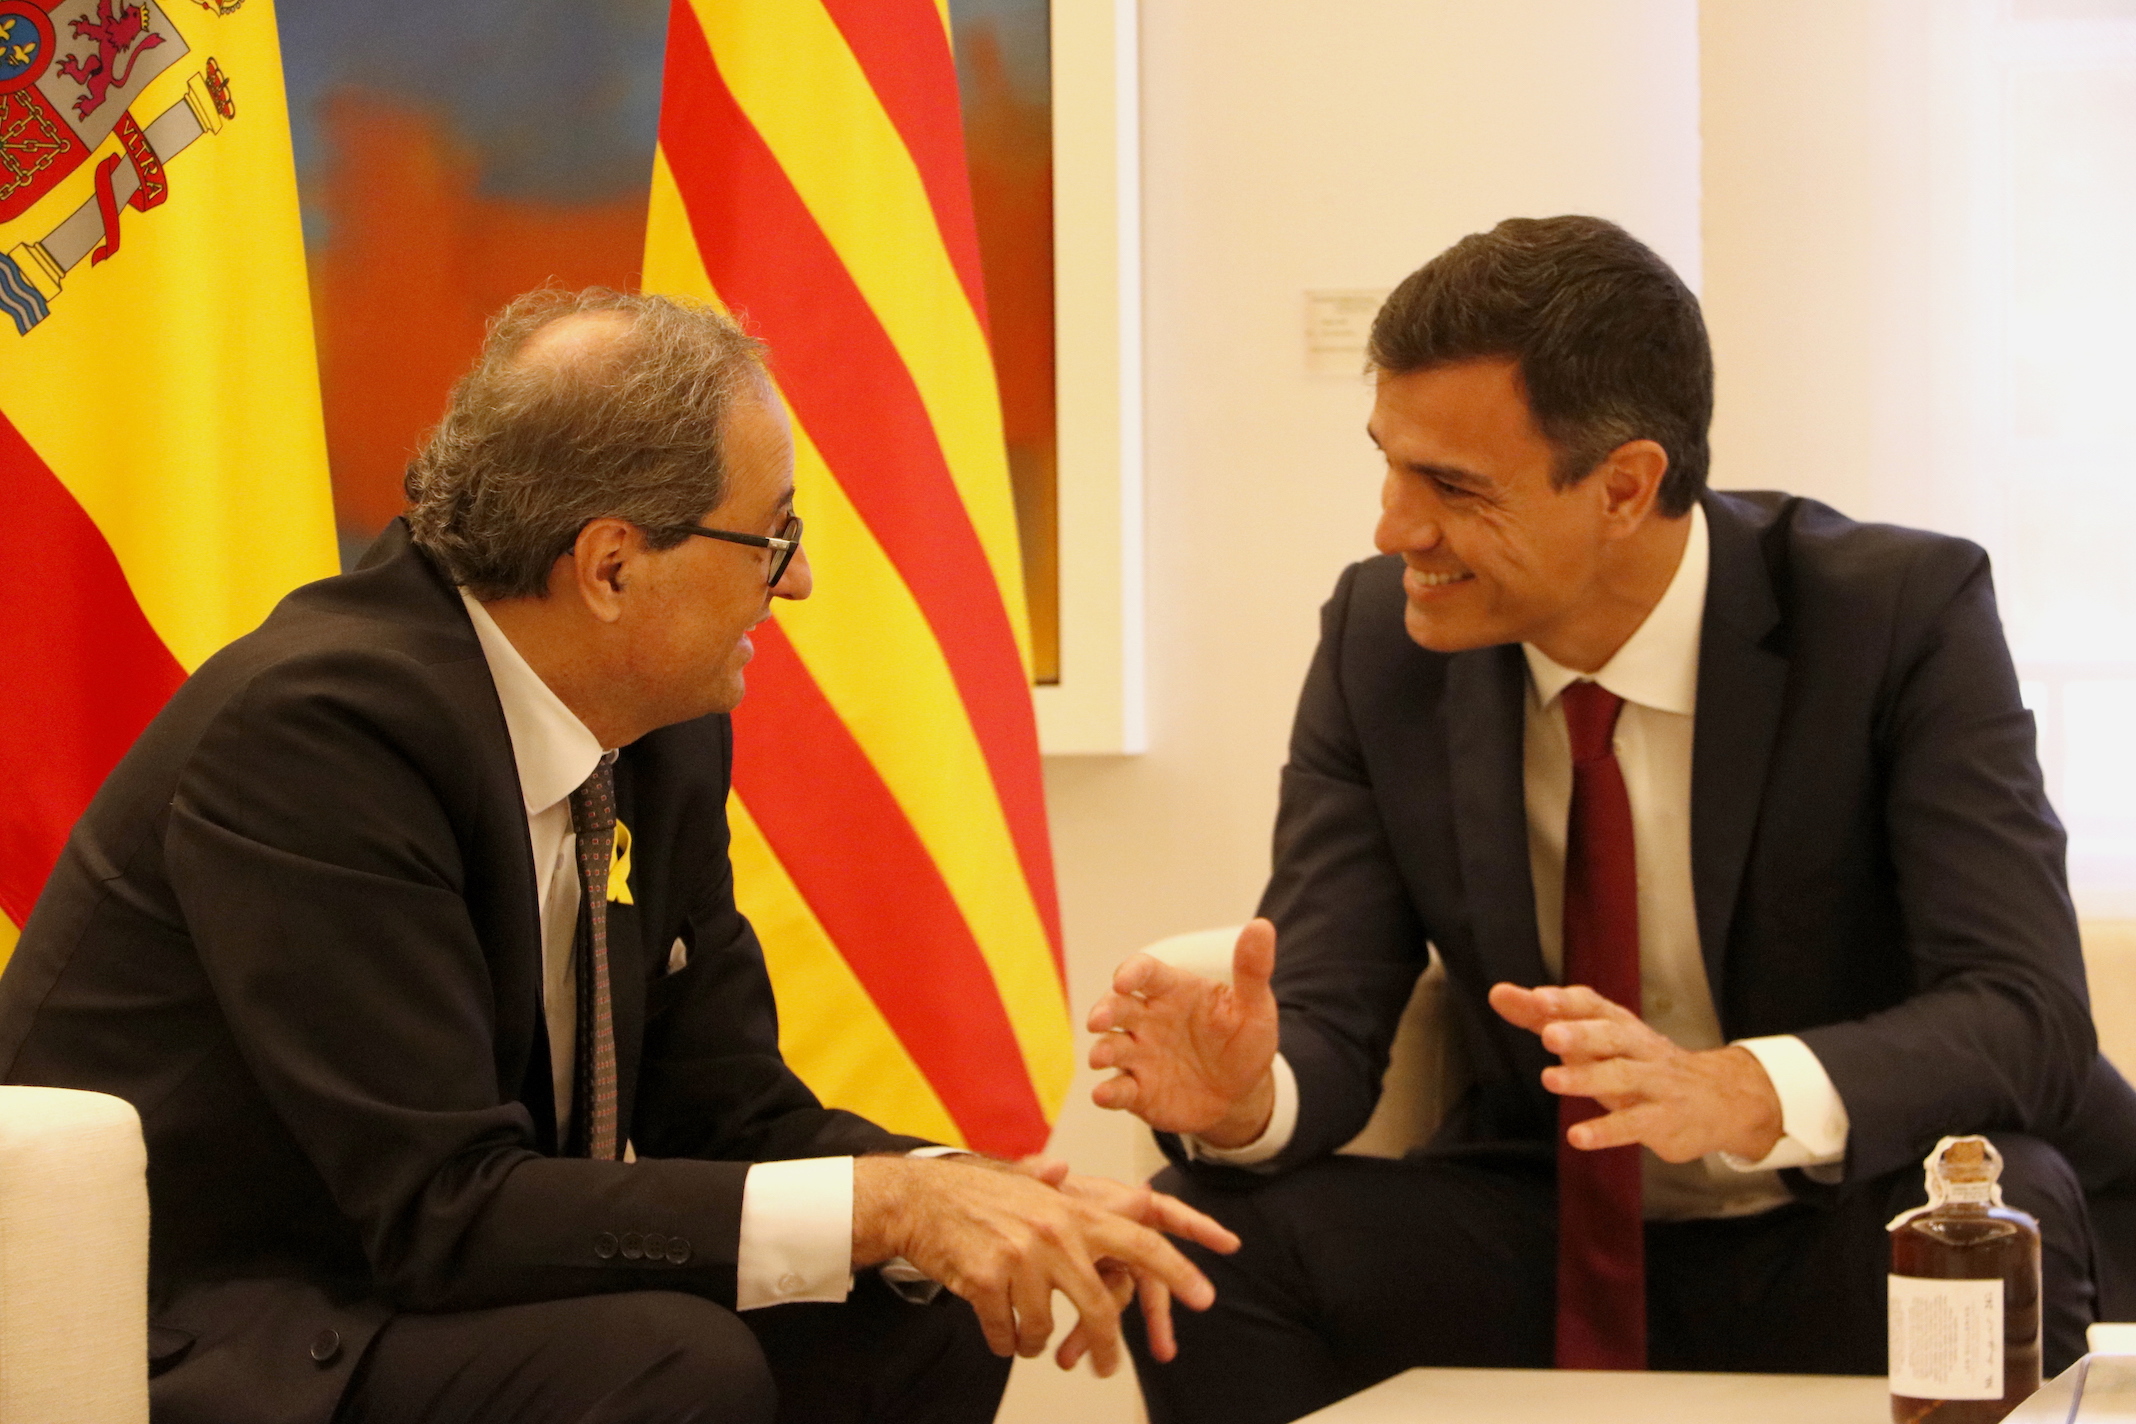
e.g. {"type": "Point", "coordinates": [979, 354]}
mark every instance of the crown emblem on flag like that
{"type": "Point", "coordinates": [69, 71]}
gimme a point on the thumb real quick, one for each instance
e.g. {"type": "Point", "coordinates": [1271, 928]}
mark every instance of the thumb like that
{"type": "Point", "coordinates": [1253, 960]}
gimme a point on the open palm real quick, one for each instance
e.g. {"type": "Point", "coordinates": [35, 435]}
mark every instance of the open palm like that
{"type": "Point", "coordinates": [1191, 1052]}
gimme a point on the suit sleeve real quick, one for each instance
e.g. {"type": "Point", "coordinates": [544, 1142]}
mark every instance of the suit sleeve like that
{"type": "Point", "coordinates": [315, 846]}
{"type": "Point", "coordinates": [1996, 1033]}
{"type": "Point", "coordinates": [1349, 942]}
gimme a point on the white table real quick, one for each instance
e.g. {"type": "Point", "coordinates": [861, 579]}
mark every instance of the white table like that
{"type": "Point", "coordinates": [1611, 1397]}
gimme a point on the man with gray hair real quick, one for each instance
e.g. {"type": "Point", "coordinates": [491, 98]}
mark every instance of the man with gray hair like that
{"type": "Point", "coordinates": [452, 1115]}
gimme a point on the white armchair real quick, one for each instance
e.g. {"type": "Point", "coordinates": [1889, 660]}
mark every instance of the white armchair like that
{"type": "Point", "coordinates": [73, 1259]}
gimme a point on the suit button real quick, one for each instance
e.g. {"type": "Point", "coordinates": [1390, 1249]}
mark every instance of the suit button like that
{"type": "Point", "coordinates": [326, 1347]}
{"type": "Point", "coordinates": [633, 1246]}
{"type": "Point", "coordinates": [789, 1283]}
{"type": "Point", "coordinates": [604, 1245]}
{"type": "Point", "coordinates": [678, 1250]}
{"type": "Point", "coordinates": [655, 1246]}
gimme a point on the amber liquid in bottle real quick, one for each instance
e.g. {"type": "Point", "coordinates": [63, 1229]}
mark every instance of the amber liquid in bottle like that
{"type": "Point", "coordinates": [1971, 1236]}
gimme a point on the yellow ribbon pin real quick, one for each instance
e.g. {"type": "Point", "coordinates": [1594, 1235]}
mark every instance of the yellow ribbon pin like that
{"type": "Point", "coordinates": [619, 868]}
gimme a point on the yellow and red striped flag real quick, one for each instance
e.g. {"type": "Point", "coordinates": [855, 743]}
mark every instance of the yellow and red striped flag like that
{"type": "Point", "coordinates": [161, 452]}
{"type": "Point", "coordinates": [889, 822]}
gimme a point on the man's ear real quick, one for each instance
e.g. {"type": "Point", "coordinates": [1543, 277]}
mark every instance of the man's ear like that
{"type": "Point", "coordinates": [1631, 478]}
{"type": "Point", "coordinates": [599, 567]}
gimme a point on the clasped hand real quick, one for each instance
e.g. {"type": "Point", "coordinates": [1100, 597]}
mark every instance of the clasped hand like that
{"type": "Point", "coordinates": [1005, 1237]}
{"type": "Point", "coordinates": [1681, 1103]}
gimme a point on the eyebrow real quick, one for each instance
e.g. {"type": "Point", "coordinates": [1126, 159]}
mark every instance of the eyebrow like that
{"type": "Point", "coordinates": [1455, 474]}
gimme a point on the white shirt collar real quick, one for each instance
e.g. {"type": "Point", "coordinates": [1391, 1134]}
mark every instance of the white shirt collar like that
{"type": "Point", "coordinates": [1658, 665]}
{"type": "Point", "coordinates": [555, 751]}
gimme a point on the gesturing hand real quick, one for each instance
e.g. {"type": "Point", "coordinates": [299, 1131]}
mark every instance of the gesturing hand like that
{"type": "Point", "coordinates": [1682, 1104]}
{"type": "Point", "coordinates": [1006, 1241]}
{"type": "Point", "coordinates": [1193, 1054]}
{"type": "Point", "coordinates": [1153, 1209]}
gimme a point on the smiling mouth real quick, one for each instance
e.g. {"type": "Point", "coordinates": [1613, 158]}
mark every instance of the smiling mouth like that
{"type": "Point", "coordinates": [1425, 580]}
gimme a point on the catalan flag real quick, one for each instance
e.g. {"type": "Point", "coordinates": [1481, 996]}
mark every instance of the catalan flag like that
{"type": "Point", "coordinates": [161, 453]}
{"type": "Point", "coordinates": [889, 824]}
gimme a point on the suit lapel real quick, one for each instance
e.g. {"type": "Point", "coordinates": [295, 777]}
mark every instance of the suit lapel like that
{"type": "Point", "coordinates": [1486, 712]}
{"type": "Point", "coordinates": [1742, 683]}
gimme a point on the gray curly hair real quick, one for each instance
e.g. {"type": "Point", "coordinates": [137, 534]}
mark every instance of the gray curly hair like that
{"type": "Point", "coordinates": [530, 451]}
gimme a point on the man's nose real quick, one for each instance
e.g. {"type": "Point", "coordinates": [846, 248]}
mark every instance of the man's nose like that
{"type": "Point", "coordinates": [798, 581]}
{"type": "Point", "coordinates": [1409, 518]}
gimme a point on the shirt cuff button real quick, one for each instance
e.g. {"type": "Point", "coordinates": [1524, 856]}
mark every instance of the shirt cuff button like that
{"type": "Point", "coordinates": [789, 1283]}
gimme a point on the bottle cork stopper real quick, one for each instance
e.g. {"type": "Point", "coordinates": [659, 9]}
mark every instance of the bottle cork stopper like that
{"type": "Point", "coordinates": [1967, 1160]}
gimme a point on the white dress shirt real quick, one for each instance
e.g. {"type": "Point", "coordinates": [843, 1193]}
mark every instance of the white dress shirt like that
{"type": "Point", "coordinates": [797, 1217]}
{"type": "Point", "coordinates": [1656, 673]}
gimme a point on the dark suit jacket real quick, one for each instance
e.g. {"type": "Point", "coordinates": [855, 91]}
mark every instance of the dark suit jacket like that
{"type": "Point", "coordinates": [297, 930]}
{"type": "Point", "coordinates": [1876, 867]}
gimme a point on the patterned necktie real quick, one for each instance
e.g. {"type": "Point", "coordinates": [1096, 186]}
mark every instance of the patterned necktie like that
{"type": "Point", "coordinates": [1601, 1281]}
{"type": "Point", "coordinates": [593, 818]}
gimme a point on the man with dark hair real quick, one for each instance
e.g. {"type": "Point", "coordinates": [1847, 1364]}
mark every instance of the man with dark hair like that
{"type": "Point", "coordinates": [451, 1114]}
{"type": "Point", "coordinates": [1723, 814]}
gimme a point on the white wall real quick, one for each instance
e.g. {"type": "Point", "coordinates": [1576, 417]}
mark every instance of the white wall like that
{"type": "Point", "coordinates": [1819, 262]}
{"type": "Point", "coordinates": [1287, 147]}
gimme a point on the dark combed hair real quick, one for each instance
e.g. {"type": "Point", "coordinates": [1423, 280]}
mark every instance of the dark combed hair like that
{"type": "Point", "coordinates": [1609, 341]}
{"type": "Point", "coordinates": [530, 451]}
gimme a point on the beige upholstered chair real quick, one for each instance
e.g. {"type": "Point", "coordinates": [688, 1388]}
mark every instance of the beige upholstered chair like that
{"type": "Point", "coordinates": [1425, 1074]}
{"type": "Point", "coordinates": [73, 1259]}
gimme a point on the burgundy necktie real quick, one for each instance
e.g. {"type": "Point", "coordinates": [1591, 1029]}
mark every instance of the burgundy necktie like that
{"type": "Point", "coordinates": [593, 818]}
{"type": "Point", "coordinates": [1601, 1280]}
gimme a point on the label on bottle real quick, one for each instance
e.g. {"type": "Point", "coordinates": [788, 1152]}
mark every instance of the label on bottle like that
{"type": "Point", "coordinates": [1946, 1338]}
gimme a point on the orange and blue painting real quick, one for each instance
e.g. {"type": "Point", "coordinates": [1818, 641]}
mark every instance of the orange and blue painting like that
{"type": "Point", "coordinates": [454, 153]}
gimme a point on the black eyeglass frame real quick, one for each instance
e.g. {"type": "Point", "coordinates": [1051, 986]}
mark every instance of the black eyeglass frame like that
{"type": "Point", "coordinates": [784, 545]}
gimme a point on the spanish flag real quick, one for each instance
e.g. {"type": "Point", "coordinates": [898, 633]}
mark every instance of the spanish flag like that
{"type": "Point", "coordinates": [890, 838]}
{"type": "Point", "coordinates": [161, 451]}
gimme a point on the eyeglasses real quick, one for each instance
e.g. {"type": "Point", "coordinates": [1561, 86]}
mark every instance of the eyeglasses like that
{"type": "Point", "coordinates": [783, 545]}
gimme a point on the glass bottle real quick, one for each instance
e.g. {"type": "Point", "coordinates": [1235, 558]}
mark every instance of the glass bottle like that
{"type": "Point", "coordinates": [1965, 1294]}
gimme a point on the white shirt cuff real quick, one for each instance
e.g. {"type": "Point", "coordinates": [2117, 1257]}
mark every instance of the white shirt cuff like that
{"type": "Point", "coordinates": [1813, 1121]}
{"type": "Point", "coordinates": [797, 1233]}
{"type": "Point", "coordinates": [1282, 1125]}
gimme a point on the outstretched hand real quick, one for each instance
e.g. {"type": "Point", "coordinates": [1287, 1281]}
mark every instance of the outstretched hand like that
{"type": "Point", "coordinates": [1193, 1053]}
{"type": "Point", "coordinates": [1682, 1104]}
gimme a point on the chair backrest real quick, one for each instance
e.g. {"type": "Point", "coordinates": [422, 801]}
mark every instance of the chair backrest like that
{"type": "Point", "coordinates": [1424, 1070]}
{"type": "Point", "coordinates": [73, 1259]}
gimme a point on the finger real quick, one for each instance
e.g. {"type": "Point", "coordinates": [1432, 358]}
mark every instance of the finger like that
{"type": "Point", "coordinates": [1591, 1039]}
{"type": "Point", "coordinates": [1146, 1253]}
{"type": "Point", "coordinates": [1175, 1218]}
{"type": "Point", "coordinates": [1050, 1170]}
{"type": "Point", "coordinates": [1253, 959]}
{"type": "Point", "coordinates": [997, 1319]}
{"type": "Point", "coordinates": [1157, 1320]}
{"type": "Point", "coordinates": [1114, 1011]}
{"type": "Point", "coordinates": [1518, 1006]}
{"type": "Point", "coordinates": [1141, 975]}
{"type": "Point", "coordinates": [1640, 1124]}
{"type": "Point", "coordinates": [1577, 1001]}
{"type": "Point", "coordinates": [1098, 1314]}
{"type": "Point", "coordinates": [1109, 1049]}
{"type": "Point", "coordinates": [1076, 1343]}
{"type": "Point", "coordinates": [1613, 1082]}
{"type": "Point", "coordinates": [1032, 1297]}
{"type": "Point", "coordinates": [1533, 1009]}
{"type": "Point", "coordinates": [1120, 1093]}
